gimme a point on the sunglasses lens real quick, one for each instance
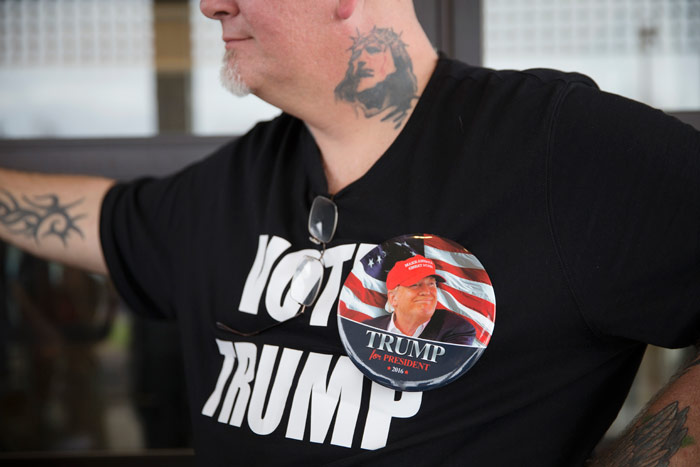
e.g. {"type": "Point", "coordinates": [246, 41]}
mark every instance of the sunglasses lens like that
{"type": "Point", "coordinates": [323, 219]}
{"type": "Point", "coordinates": [306, 282]}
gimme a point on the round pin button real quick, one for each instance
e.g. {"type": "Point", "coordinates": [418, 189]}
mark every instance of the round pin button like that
{"type": "Point", "coordinates": [416, 312]}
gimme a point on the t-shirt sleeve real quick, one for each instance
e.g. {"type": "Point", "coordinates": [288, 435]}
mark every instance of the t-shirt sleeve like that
{"type": "Point", "coordinates": [624, 201]}
{"type": "Point", "coordinates": [138, 229]}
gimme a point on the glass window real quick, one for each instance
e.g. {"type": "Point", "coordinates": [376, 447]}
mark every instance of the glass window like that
{"type": "Point", "coordinates": [76, 68]}
{"type": "Point", "coordinates": [91, 68]}
{"type": "Point", "coordinates": [648, 50]}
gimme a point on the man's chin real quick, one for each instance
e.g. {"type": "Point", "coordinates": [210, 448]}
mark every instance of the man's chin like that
{"type": "Point", "coordinates": [231, 78]}
{"type": "Point", "coordinates": [427, 313]}
{"type": "Point", "coordinates": [422, 314]}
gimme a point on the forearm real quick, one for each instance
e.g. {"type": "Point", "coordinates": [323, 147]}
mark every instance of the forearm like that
{"type": "Point", "coordinates": [55, 217]}
{"type": "Point", "coordinates": [667, 433]}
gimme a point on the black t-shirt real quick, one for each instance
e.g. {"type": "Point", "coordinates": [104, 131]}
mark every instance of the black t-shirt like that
{"type": "Point", "coordinates": [582, 206]}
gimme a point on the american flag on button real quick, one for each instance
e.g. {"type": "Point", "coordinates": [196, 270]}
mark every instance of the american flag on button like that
{"type": "Point", "coordinates": [467, 289]}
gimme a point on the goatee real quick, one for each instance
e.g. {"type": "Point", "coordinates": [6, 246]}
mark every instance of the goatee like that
{"type": "Point", "coordinates": [230, 76]}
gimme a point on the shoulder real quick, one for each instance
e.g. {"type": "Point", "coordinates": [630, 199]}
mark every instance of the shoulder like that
{"type": "Point", "coordinates": [259, 140]}
{"type": "Point", "coordinates": [535, 78]}
{"type": "Point", "coordinates": [452, 319]}
{"type": "Point", "coordinates": [489, 101]}
{"type": "Point", "coordinates": [379, 322]}
{"type": "Point", "coordinates": [448, 326]}
{"type": "Point", "coordinates": [250, 156]}
{"type": "Point", "coordinates": [217, 178]}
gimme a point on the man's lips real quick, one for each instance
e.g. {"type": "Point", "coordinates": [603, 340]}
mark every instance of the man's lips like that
{"type": "Point", "coordinates": [233, 41]}
{"type": "Point", "coordinates": [423, 300]}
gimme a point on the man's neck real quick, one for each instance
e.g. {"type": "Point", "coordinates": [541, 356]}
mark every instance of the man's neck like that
{"type": "Point", "coordinates": [412, 329]}
{"type": "Point", "coordinates": [357, 133]}
{"type": "Point", "coordinates": [380, 69]}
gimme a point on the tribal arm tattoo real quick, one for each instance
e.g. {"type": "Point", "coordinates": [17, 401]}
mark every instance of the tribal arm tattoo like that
{"type": "Point", "coordinates": [38, 218]}
{"type": "Point", "coordinates": [379, 76]}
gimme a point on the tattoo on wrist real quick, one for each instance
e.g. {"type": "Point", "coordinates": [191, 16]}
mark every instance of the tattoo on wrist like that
{"type": "Point", "coordinates": [654, 441]}
{"type": "Point", "coordinates": [379, 76]}
{"type": "Point", "coordinates": [40, 217]}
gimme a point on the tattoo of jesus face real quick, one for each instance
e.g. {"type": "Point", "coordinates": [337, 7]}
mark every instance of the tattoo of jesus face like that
{"type": "Point", "coordinates": [41, 217]}
{"type": "Point", "coordinates": [379, 76]}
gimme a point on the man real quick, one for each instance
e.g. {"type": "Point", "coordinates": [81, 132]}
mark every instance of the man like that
{"type": "Point", "coordinates": [412, 295]}
{"type": "Point", "coordinates": [582, 207]}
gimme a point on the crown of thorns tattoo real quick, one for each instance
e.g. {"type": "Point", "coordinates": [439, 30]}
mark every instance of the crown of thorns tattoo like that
{"type": "Point", "coordinates": [395, 93]}
{"type": "Point", "coordinates": [378, 36]}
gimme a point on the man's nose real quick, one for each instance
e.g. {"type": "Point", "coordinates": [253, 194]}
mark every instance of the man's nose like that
{"type": "Point", "coordinates": [219, 9]}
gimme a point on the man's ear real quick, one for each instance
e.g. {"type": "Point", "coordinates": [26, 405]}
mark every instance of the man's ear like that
{"type": "Point", "coordinates": [345, 8]}
{"type": "Point", "coordinates": [390, 295]}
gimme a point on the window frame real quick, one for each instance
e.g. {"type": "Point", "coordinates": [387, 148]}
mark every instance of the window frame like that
{"type": "Point", "coordinates": [455, 27]}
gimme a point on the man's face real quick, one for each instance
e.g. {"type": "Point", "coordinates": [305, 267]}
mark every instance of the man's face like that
{"type": "Point", "coordinates": [373, 65]}
{"type": "Point", "coordinates": [269, 42]}
{"type": "Point", "coordinates": [417, 301]}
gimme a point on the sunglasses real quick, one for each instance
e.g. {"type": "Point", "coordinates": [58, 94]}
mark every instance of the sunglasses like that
{"type": "Point", "coordinates": [308, 276]}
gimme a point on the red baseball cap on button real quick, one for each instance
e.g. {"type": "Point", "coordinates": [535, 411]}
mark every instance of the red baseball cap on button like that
{"type": "Point", "coordinates": [410, 271]}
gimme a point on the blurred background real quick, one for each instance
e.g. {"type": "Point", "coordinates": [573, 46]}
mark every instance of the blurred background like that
{"type": "Point", "coordinates": [130, 87]}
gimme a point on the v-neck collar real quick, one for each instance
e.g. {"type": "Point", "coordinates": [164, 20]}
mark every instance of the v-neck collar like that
{"type": "Point", "coordinates": [312, 155]}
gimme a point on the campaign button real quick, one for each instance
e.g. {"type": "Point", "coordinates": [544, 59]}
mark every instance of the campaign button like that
{"type": "Point", "coordinates": [416, 312]}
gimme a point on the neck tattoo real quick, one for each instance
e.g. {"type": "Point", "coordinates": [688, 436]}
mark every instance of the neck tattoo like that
{"type": "Point", "coordinates": [379, 78]}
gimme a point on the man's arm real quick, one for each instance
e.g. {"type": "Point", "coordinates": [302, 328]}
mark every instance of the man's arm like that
{"type": "Point", "coordinates": [55, 217]}
{"type": "Point", "coordinates": [667, 433]}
